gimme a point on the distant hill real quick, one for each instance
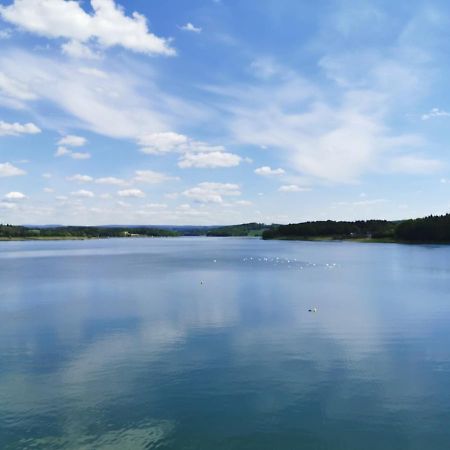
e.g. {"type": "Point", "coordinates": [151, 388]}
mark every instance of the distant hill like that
{"type": "Point", "coordinates": [77, 232]}
{"type": "Point", "coordinates": [427, 229]}
{"type": "Point", "coordinates": [245, 229]}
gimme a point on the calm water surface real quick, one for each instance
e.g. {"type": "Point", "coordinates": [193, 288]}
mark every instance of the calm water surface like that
{"type": "Point", "coordinates": [207, 343]}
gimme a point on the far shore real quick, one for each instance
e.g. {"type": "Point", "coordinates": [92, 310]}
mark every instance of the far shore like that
{"type": "Point", "coordinates": [281, 238]}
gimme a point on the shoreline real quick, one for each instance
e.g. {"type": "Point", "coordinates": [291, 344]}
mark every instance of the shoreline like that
{"type": "Point", "coordinates": [281, 238]}
{"type": "Point", "coordinates": [356, 240]}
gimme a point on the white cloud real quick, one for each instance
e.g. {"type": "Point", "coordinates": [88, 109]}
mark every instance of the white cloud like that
{"type": "Point", "coordinates": [82, 193]}
{"type": "Point", "coordinates": [160, 143]}
{"type": "Point", "coordinates": [14, 129]}
{"type": "Point", "coordinates": [268, 171]}
{"type": "Point", "coordinates": [127, 104]}
{"type": "Point", "coordinates": [435, 112]}
{"type": "Point", "coordinates": [92, 71]}
{"type": "Point", "coordinates": [155, 206]}
{"type": "Point", "coordinates": [14, 92]}
{"type": "Point", "coordinates": [209, 160]}
{"type": "Point", "coordinates": [334, 133]}
{"type": "Point", "coordinates": [243, 203]}
{"type": "Point", "coordinates": [76, 49]}
{"type": "Point", "coordinates": [48, 190]}
{"type": "Point", "coordinates": [151, 177]}
{"type": "Point", "coordinates": [80, 155]}
{"type": "Point", "coordinates": [72, 141]}
{"type": "Point", "coordinates": [265, 68]}
{"type": "Point", "coordinates": [107, 25]}
{"type": "Point", "coordinates": [80, 178]}
{"type": "Point", "coordinates": [5, 33]}
{"type": "Point", "coordinates": [190, 27]}
{"type": "Point", "coordinates": [208, 192]}
{"type": "Point", "coordinates": [8, 170]}
{"type": "Point", "coordinates": [292, 188]}
{"type": "Point", "coordinates": [132, 193]}
{"type": "Point", "coordinates": [7, 205]}
{"type": "Point", "coordinates": [115, 107]}
{"type": "Point", "coordinates": [194, 153]}
{"type": "Point", "coordinates": [111, 180]}
{"type": "Point", "coordinates": [413, 164]}
{"type": "Point", "coordinates": [13, 196]}
{"type": "Point", "coordinates": [61, 151]}
{"type": "Point", "coordinates": [46, 175]}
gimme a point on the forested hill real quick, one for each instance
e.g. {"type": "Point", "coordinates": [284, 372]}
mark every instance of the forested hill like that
{"type": "Point", "coordinates": [74, 232]}
{"type": "Point", "coordinates": [246, 229]}
{"type": "Point", "coordinates": [333, 229]}
{"type": "Point", "coordinates": [427, 229]}
{"type": "Point", "coordinates": [110, 231]}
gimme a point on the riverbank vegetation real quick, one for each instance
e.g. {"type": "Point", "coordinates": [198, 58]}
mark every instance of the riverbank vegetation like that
{"type": "Point", "coordinates": [73, 232]}
{"type": "Point", "coordinates": [427, 229]}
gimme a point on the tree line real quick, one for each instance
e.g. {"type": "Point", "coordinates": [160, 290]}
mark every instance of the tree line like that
{"type": "Point", "coordinates": [22, 232]}
{"type": "Point", "coordinates": [427, 229]}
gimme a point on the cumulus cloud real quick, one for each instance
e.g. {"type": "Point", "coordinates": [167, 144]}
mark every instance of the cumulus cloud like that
{"type": "Point", "coordinates": [82, 193]}
{"type": "Point", "coordinates": [132, 193]}
{"type": "Point", "coordinates": [13, 196]}
{"type": "Point", "coordinates": [80, 155]}
{"type": "Point", "coordinates": [80, 178]}
{"type": "Point", "coordinates": [76, 49]}
{"type": "Point", "coordinates": [190, 27]}
{"type": "Point", "coordinates": [151, 177]}
{"type": "Point", "coordinates": [14, 129]}
{"type": "Point", "coordinates": [268, 171]}
{"type": "Point", "coordinates": [209, 160]}
{"type": "Point", "coordinates": [64, 151]}
{"type": "Point", "coordinates": [72, 141]}
{"type": "Point", "coordinates": [160, 143]}
{"type": "Point", "coordinates": [107, 25]}
{"type": "Point", "coordinates": [8, 170]}
{"type": "Point", "coordinates": [292, 188]}
{"type": "Point", "coordinates": [61, 151]}
{"type": "Point", "coordinates": [208, 192]}
{"type": "Point", "coordinates": [435, 112]}
{"type": "Point", "coordinates": [111, 180]}
{"type": "Point", "coordinates": [194, 153]}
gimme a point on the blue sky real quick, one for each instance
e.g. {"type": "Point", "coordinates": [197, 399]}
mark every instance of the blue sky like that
{"type": "Point", "coordinates": [223, 111]}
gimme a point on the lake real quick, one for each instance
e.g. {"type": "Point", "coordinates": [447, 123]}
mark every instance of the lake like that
{"type": "Point", "coordinates": [207, 343]}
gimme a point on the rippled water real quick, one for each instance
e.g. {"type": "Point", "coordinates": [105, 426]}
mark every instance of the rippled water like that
{"type": "Point", "coordinates": [207, 343]}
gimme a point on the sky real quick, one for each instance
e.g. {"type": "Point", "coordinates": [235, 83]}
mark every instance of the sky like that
{"type": "Point", "coordinates": [223, 111]}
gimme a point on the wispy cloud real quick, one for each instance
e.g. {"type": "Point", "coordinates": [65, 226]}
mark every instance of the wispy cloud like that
{"type": "Point", "coordinates": [435, 112]}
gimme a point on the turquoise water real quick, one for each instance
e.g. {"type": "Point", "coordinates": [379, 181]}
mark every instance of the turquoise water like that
{"type": "Point", "coordinates": [207, 343]}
